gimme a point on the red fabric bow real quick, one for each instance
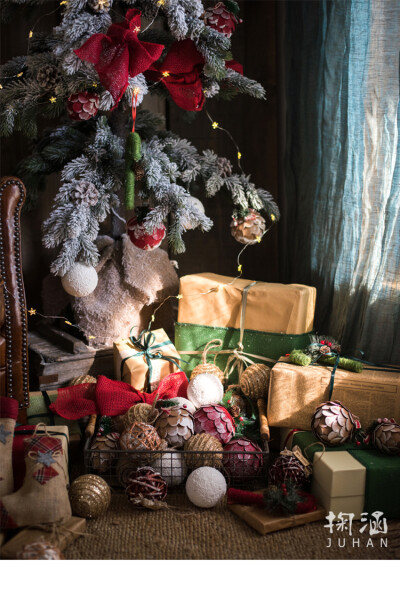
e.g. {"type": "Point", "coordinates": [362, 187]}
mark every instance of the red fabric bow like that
{"type": "Point", "coordinates": [112, 397]}
{"type": "Point", "coordinates": [119, 54]}
{"type": "Point", "coordinates": [180, 73]}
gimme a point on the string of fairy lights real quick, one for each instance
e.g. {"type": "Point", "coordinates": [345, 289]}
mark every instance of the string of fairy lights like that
{"type": "Point", "coordinates": [214, 126]}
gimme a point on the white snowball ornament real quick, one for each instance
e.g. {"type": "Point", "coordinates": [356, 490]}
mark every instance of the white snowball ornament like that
{"type": "Point", "coordinates": [205, 389]}
{"type": "Point", "coordinates": [172, 467]}
{"type": "Point", "coordinates": [187, 225]}
{"type": "Point", "coordinates": [205, 486]}
{"type": "Point", "coordinates": [80, 280]}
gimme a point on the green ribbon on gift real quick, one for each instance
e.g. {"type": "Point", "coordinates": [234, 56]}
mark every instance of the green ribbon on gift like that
{"type": "Point", "coordinates": [146, 347]}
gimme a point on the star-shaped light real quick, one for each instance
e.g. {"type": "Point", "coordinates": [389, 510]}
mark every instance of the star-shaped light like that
{"type": "Point", "coordinates": [52, 99]}
{"type": "Point", "coordinates": [32, 311]}
{"type": "Point", "coordinates": [45, 458]}
{"type": "Point", "coordinates": [4, 434]}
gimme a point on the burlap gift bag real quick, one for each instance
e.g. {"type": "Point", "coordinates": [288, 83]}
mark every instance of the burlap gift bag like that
{"type": "Point", "coordinates": [43, 497]}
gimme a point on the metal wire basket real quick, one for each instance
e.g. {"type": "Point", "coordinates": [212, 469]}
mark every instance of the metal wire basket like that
{"type": "Point", "coordinates": [241, 469]}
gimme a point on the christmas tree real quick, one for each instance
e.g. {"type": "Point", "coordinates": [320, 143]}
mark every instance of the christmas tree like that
{"type": "Point", "coordinates": [93, 71]}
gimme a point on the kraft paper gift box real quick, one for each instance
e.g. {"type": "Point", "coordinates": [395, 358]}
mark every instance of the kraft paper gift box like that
{"type": "Point", "coordinates": [131, 363]}
{"type": "Point", "coordinates": [338, 481]}
{"type": "Point", "coordinates": [276, 317]}
{"type": "Point", "coordinates": [295, 392]}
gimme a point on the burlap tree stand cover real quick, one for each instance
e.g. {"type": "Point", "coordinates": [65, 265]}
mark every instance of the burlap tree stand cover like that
{"type": "Point", "coordinates": [43, 497]}
{"type": "Point", "coordinates": [131, 281]}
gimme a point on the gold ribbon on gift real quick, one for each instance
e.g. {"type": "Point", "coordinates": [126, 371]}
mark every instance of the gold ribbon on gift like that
{"type": "Point", "coordinates": [237, 357]}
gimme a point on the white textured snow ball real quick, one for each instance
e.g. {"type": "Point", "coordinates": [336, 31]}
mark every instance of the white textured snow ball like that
{"type": "Point", "coordinates": [205, 486]}
{"type": "Point", "coordinates": [187, 224]}
{"type": "Point", "coordinates": [172, 467]}
{"type": "Point", "coordinates": [80, 280]}
{"type": "Point", "coordinates": [205, 389]}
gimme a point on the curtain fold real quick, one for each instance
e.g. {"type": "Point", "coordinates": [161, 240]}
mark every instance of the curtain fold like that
{"type": "Point", "coordinates": [342, 169]}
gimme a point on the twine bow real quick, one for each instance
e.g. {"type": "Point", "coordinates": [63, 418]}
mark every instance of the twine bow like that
{"type": "Point", "coordinates": [146, 348]}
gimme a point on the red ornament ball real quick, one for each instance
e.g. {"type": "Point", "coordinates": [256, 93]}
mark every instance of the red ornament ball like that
{"type": "Point", "coordinates": [221, 19]}
{"type": "Point", "coordinates": [216, 420]}
{"type": "Point", "coordinates": [141, 238]}
{"type": "Point", "coordinates": [83, 106]}
{"type": "Point", "coordinates": [247, 462]}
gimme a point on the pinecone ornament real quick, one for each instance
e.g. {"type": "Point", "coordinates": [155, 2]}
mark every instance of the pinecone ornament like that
{"type": "Point", "coordinates": [103, 455]}
{"type": "Point", "coordinates": [333, 423]}
{"type": "Point", "coordinates": [48, 77]}
{"type": "Point", "coordinates": [245, 464]}
{"type": "Point", "coordinates": [221, 19]}
{"type": "Point", "coordinates": [175, 425]}
{"type": "Point", "coordinates": [86, 193]}
{"type": "Point", "coordinates": [291, 466]}
{"type": "Point", "coordinates": [82, 106]}
{"type": "Point", "coordinates": [100, 6]}
{"type": "Point", "coordinates": [216, 420]}
{"type": "Point", "coordinates": [146, 488]}
{"type": "Point", "coordinates": [385, 436]}
{"type": "Point", "coordinates": [248, 229]}
{"type": "Point", "coordinates": [224, 167]}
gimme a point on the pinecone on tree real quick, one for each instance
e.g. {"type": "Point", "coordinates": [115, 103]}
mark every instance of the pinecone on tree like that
{"type": "Point", "coordinates": [249, 228]}
{"type": "Point", "coordinates": [385, 436]}
{"type": "Point", "coordinates": [100, 5]}
{"type": "Point", "coordinates": [333, 423]}
{"type": "Point", "coordinates": [175, 425]}
{"type": "Point", "coordinates": [48, 76]}
{"type": "Point", "coordinates": [82, 106]}
{"type": "Point", "coordinates": [86, 193]}
{"type": "Point", "coordinates": [224, 166]}
{"type": "Point", "coordinates": [221, 19]}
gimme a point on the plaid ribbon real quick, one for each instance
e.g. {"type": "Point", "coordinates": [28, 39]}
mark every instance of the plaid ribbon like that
{"type": "Point", "coordinates": [44, 444]}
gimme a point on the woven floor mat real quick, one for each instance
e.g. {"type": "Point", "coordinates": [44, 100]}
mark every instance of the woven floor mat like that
{"type": "Point", "coordinates": [186, 532]}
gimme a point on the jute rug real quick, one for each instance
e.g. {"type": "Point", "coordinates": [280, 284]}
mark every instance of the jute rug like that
{"type": "Point", "coordinates": [186, 532]}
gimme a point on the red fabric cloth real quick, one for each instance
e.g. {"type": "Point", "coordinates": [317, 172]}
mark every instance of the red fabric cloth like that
{"type": "Point", "coordinates": [8, 408]}
{"type": "Point", "coordinates": [184, 64]}
{"type": "Point", "coordinates": [112, 397]}
{"type": "Point", "coordinates": [244, 497]}
{"type": "Point", "coordinates": [18, 453]}
{"type": "Point", "coordinates": [119, 54]}
{"type": "Point", "coordinates": [236, 66]}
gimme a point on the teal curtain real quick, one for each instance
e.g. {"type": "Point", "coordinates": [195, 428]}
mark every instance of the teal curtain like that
{"type": "Point", "coordinates": [342, 167]}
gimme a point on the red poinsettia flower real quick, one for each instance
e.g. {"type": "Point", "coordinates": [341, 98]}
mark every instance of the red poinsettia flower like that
{"type": "Point", "coordinates": [180, 73]}
{"type": "Point", "coordinates": [119, 54]}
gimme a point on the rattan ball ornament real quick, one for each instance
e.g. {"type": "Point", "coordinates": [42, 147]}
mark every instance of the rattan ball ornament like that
{"type": "Point", "coordinates": [333, 423]}
{"type": "Point", "coordinates": [210, 368]}
{"type": "Point", "coordinates": [140, 437]}
{"type": "Point", "coordinates": [203, 450]}
{"type": "Point", "coordinates": [243, 458]}
{"type": "Point", "coordinates": [80, 280]}
{"type": "Point", "coordinates": [291, 466]}
{"type": "Point", "coordinates": [205, 389]}
{"type": "Point", "coordinates": [40, 551]}
{"type": "Point", "coordinates": [205, 487]}
{"type": "Point", "coordinates": [172, 467]}
{"type": "Point", "coordinates": [146, 488]}
{"type": "Point", "coordinates": [254, 381]}
{"type": "Point", "coordinates": [90, 496]}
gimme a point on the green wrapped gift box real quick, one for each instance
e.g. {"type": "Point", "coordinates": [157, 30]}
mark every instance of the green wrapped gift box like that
{"type": "Point", "coordinates": [191, 339]}
{"type": "Point", "coordinates": [382, 483]}
{"type": "Point", "coordinates": [39, 412]}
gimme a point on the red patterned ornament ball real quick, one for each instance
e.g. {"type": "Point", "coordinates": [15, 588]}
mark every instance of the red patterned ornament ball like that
{"type": "Point", "coordinates": [141, 238]}
{"type": "Point", "coordinates": [216, 420]}
{"type": "Point", "coordinates": [248, 460]}
{"type": "Point", "coordinates": [82, 106]}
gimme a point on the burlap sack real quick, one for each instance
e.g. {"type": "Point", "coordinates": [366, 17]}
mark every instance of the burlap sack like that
{"type": "Point", "coordinates": [43, 498]}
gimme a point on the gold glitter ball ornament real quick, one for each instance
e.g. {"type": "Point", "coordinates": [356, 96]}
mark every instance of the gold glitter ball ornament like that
{"type": "Point", "coordinates": [203, 449]}
{"type": "Point", "coordinates": [90, 496]}
{"type": "Point", "coordinates": [254, 381]}
{"type": "Point", "coordinates": [40, 551]}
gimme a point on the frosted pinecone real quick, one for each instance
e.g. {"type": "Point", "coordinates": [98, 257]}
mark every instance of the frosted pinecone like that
{"type": "Point", "coordinates": [100, 5]}
{"type": "Point", "coordinates": [48, 76]}
{"type": "Point", "coordinates": [86, 193]}
{"type": "Point", "coordinates": [224, 166]}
